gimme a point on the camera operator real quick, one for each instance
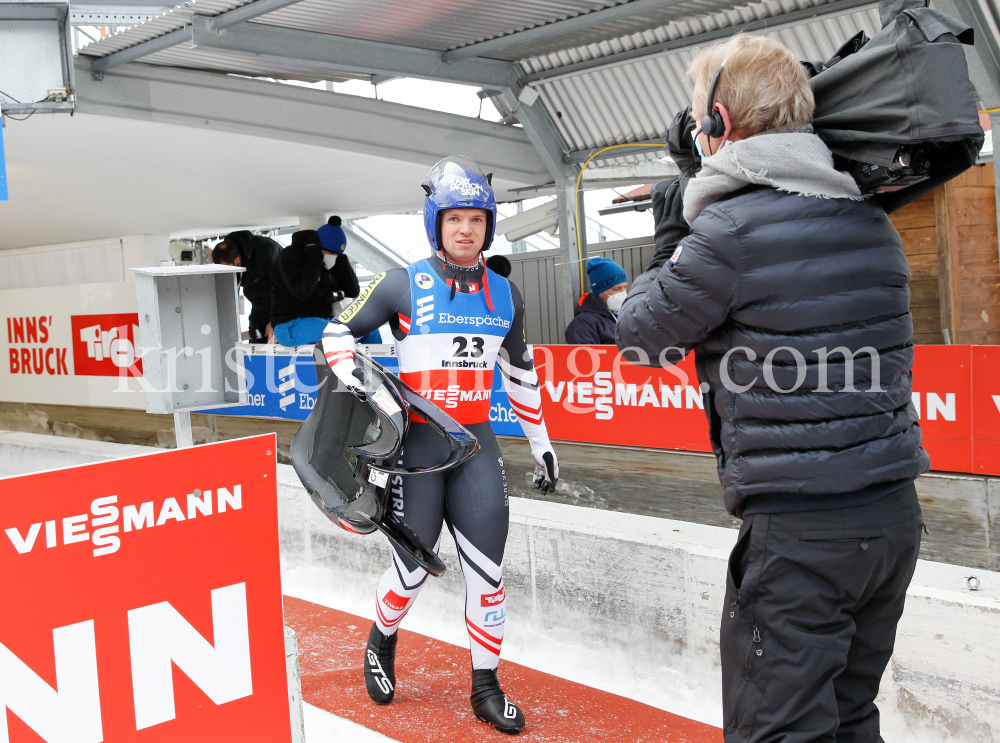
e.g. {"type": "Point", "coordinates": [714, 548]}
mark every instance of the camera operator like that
{"type": "Point", "coordinates": [793, 293]}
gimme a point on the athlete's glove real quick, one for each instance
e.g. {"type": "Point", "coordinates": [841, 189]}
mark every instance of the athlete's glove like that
{"type": "Point", "coordinates": [351, 377]}
{"type": "Point", "coordinates": [547, 472]}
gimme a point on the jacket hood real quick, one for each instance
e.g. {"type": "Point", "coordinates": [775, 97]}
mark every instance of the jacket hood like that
{"type": "Point", "coordinates": [796, 162]}
{"type": "Point", "coordinates": [242, 240]}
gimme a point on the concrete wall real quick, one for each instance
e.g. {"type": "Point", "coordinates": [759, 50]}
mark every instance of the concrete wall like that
{"type": "Point", "coordinates": [962, 512]}
{"type": "Point", "coordinates": [21, 453]}
{"type": "Point", "coordinates": [650, 591]}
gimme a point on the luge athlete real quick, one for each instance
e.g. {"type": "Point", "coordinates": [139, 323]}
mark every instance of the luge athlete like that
{"type": "Point", "coordinates": [452, 320]}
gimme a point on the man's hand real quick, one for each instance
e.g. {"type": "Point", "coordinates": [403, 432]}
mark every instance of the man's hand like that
{"type": "Point", "coordinates": [680, 143]}
{"type": "Point", "coordinates": [546, 472]}
{"type": "Point", "coordinates": [351, 377]}
{"type": "Point", "coordinates": [269, 331]}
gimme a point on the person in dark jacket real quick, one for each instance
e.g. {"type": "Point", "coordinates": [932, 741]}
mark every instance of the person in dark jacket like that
{"type": "Point", "coordinates": [594, 321]}
{"type": "Point", "coordinates": [313, 273]}
{"type": "Point", "coordinates": [257, 255]}
{"type": "Point", "coordinates": [793, 293]}
{"type": "Point", "coordinates": [499, 264]}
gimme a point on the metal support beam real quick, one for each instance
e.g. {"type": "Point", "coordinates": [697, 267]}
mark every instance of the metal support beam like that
{"type": "Point", "coordinates": [569, 271]}
{"type": "Point", "coordinates": [248, 12]}
{"type": "Point", "coordinates": [584, 254]}
{"type": "Point", "coordinates": [346, 54]}
{"type": "Point", "coordinates": [995, 122]}
{"type": "Point", "coordinates": [219, 22]}
{"type": "Point", "coordinates": [182, 430]}
{"type": "Point", "coordinates": [343, 122]}
{"type": "Point", "coordinates": [327, 54]}
{"type": "Point", "coordinates": [113, 15]}
{"type": "Point", "coordinates": [53, 16]}
{"type": "Point", "coordinates": [371, 256]}
{"type": "Point", "coordinates": [581, 156]}
{"type": "Point", "coordinates": [558, 28]}
{"type": "Point", "coordinates": [633, 55]}
{"type": "Point", "coordinates": [85, 7]}
{"type": "Point", "coordinates": [544, 136]}
{"type": "Point", "coordinates": [343, 54]}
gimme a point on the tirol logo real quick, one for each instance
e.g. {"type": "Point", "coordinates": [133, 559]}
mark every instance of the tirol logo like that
{"type": "Point", "coordinates": [394, 601]}
{"type": "Point", "coordinates": [494, 599]}
{"type": "Point", "coordinates": [424, 281]}
{"type": "Point", "coordinates": [105, 345]}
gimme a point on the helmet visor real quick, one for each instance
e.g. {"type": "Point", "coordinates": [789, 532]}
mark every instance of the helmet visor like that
{"type": "Point", "coordinates": [454, 165]}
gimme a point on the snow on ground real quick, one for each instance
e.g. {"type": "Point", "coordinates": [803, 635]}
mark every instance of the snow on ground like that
{"type": "Point", "coordinates": [323, 727]}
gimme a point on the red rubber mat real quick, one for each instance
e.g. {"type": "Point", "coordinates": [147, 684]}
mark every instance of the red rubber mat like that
{"type": "Point", "coordinates": [433, 684]}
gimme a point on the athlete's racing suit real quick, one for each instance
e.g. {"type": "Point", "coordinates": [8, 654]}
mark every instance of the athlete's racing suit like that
{"type": "Point", "coordinates": [450, 328]}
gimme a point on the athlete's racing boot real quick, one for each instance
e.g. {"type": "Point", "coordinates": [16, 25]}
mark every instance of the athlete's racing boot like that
{"type": "Point", "coordinates": [491, 705]}
{"type": "Point", "coordinates": [380, 666]}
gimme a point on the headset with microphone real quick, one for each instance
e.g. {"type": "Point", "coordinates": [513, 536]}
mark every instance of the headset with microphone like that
{"type": "Point", "coordinates": [712, 124]}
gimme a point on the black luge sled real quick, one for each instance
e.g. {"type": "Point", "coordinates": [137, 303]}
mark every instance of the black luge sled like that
{"type": "Point", "coordinates": [347, 451]}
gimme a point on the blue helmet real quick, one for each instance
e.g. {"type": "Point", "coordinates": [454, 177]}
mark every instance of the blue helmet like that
{"type": "Point", "coordinates": [458, 183]}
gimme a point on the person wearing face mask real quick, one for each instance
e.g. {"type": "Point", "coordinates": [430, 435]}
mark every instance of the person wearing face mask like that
{"type": "Point", "coordinates": [312, 273]}
{"type": "Point", "coordinates": [596, 312]}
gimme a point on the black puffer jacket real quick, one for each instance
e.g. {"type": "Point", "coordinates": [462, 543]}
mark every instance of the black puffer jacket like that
{"type": "Point", "coordinates": [766, 270]}
{"type": "Point", "coordinates": [302, 286]}
{"type": "Point", "coordinates": [258, 255]}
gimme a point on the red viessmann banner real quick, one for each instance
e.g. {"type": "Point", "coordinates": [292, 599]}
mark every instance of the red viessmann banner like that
{"type": "Point", "coordinates": [589, 394]}
{"type": "Point", "coordinates": [142, 600]}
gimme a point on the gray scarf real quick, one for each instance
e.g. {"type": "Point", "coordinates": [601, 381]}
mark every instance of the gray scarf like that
{"type": "Point", "coordinates": [796, 162]}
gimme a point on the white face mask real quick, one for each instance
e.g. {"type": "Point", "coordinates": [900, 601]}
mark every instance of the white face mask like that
{"type": "Point", "coordinates": [615, 301]}
{"type": "Point", "coordinates": [328, 260]}
{"type": "Point", "coordinates": [697, 146]}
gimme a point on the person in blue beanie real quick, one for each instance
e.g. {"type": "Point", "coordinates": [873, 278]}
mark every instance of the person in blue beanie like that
{"type": "Point", "coordinates": [331, 237]}
{"type": "Point", "coordinates": [312, 273]}
{"type": "Point", "coordinates": [596, 313]}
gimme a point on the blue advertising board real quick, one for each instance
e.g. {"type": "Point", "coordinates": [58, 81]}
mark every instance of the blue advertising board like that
{"type": "Point", "coordinates": [281, 383]}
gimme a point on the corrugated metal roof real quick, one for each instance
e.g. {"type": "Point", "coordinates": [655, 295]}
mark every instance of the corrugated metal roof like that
{"type": "Point", "coordinates": [427, 24]}
{"type": "Point", "coordinates": [170, 21]}
{"type": "Point", "coordinates": [431, 24]}
{"type": "Point", "coordinates": [183, 55]}
{"type": "Point", "coordinates": [636, 102]}
{"type": "Point", "coordinates": [633, 101]}
{"type": "Point", "coordinates": [443, 25]}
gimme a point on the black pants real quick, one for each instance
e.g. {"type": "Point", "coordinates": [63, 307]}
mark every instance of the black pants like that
{"type": "Point", "coordinates": [472, 502]}
{"type": "Point", "coordinates": [809, 623]}
{"type": "Point", "coordinates": [471, 499]}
